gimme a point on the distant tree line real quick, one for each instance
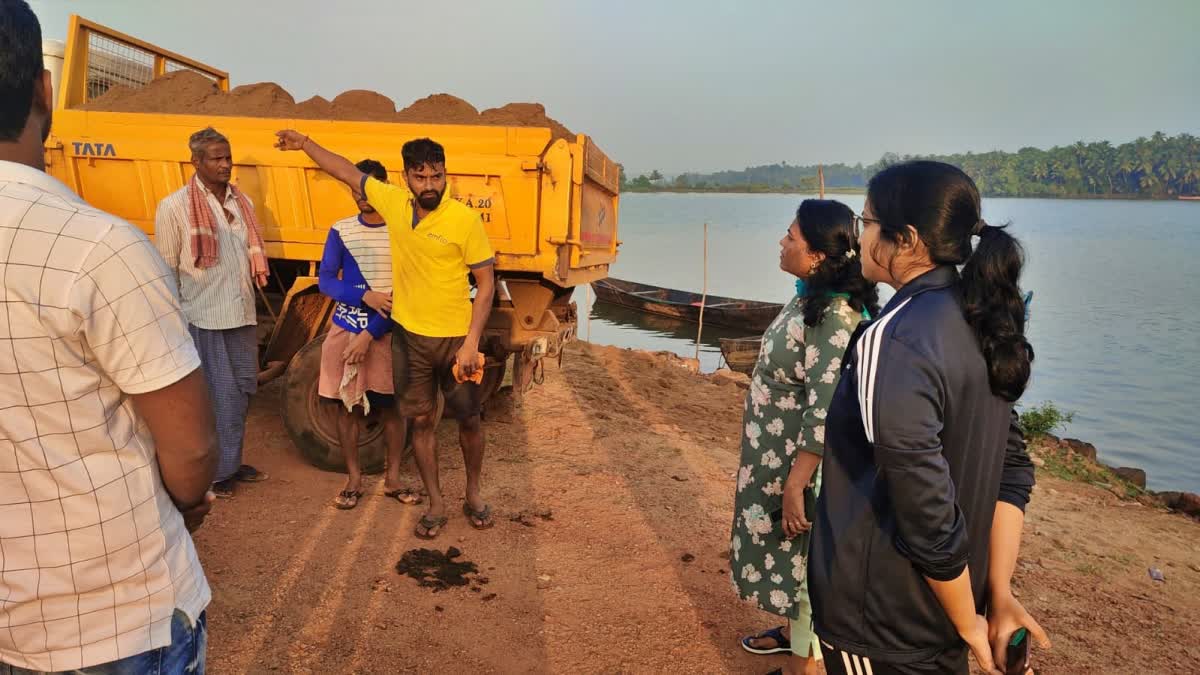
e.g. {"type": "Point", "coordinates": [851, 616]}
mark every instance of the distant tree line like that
{"type": "Point", "coordinates": [1158, 166]}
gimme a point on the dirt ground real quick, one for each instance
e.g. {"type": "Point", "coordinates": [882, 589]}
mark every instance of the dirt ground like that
{"type": "Point", "coordinates": [613, 490]}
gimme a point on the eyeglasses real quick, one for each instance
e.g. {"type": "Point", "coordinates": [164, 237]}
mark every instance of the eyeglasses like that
{"type": "Point", "coordinates": [861, 221]}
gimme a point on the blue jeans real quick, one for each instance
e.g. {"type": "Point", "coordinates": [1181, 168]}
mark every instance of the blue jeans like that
{"type": "Point", "coordinates": [184, 656]}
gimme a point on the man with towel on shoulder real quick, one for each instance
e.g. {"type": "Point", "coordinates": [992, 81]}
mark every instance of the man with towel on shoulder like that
{"type": "Point", "coordinates": [210, 238]}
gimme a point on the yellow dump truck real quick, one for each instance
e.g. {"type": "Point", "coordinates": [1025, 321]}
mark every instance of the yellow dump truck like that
{"type": "Point", "coordinates": [549, 206]}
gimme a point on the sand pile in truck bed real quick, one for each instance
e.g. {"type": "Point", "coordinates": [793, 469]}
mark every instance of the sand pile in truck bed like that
{"type": "Point", "coordinates": [188, 93]}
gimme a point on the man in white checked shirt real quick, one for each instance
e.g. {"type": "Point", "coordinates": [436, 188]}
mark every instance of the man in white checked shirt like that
{"type": "Point", "coordinates": [100, 476]}
{"type": "Point", "coordinates": [217, 293]}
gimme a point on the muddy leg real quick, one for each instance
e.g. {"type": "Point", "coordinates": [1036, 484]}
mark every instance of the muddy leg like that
{"type": "Point", "coordinates": [347, 427]}
{"type": "Point", "coordinates": [393, 435]}
{"type": "Point", "coordinates": [425, 452]}
{"type": "Point", "coordinates": [470, 438]}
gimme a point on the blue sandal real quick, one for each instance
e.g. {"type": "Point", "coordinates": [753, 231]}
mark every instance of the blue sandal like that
{"type": "Point", "coordinates": [782, 644]}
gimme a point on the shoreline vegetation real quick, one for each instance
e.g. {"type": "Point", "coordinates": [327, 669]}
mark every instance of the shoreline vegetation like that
{"type": "Point", "coordinates": [1159, 167]}
{"type": "Point", "coordinates": [847, 190]}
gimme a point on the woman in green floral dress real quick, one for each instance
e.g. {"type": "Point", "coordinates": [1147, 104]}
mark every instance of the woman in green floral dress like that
{"type": "Point", "coordinates": [783, 431]}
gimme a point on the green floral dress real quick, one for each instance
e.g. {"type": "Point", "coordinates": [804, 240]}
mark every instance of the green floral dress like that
{"type": "Point", "coordinates": [793, 382]}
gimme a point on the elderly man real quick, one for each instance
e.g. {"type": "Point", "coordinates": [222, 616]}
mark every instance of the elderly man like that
{"type": "Point", "coordinates": [209, 235]}
{"type": "Point", "coordinates": [97, 571]}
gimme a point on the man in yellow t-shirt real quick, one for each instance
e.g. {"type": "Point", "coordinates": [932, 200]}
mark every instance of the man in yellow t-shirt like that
{"type": "Point", "coordinates": [435, 243]}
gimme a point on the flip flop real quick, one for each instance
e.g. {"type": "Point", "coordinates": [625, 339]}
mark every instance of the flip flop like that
{"type": "Point", "coordinates": [782, 644]}
{"type": "Point", "coordinates": [347, 499]}
{"type": "Point", "coordinates": [406, 496]}
{"type": "Point", "coordinates": [484, 516]}
{"type": "Point", "coordinates": [223, 488]}
{"type": "Point", "coordinates": [432, 526]}
{"type": "Point", "coordinates": [248, 474]}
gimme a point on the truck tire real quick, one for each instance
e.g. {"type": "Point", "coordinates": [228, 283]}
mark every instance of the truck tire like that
{"type": "Point", "coordinates": [312, 423]}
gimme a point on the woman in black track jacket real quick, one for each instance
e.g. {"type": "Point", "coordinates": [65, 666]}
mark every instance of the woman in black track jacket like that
{"type": "Point", "coordinates": [926, 475]}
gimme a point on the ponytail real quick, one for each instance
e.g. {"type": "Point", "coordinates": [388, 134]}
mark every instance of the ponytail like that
{"type": "Point", "coordinates": [942, 203]}
{"type": "Point", "coordinates": [995, 310]}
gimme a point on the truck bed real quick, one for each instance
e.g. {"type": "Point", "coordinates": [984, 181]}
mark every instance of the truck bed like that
{"type": "Point", "coordinates": [549, 205]}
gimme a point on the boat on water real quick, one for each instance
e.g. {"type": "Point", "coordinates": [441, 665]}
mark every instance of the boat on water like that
{"type": "Point", "coordinates": [1190, 198]}
{"type": "Point", "coordinates": [741, 353]}
{"type": "Point", "coordinates": [751, 316]}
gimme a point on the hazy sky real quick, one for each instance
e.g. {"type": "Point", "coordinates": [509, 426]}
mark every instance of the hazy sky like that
{"type": "Point", "coordinates": [696, 85]}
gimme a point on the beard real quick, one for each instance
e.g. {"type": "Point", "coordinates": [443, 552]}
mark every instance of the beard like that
{"type": "Point", "coordinates": [429, 199]}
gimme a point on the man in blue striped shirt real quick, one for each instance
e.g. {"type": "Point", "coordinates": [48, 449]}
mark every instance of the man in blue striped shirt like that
{"type": "Point", "coordinates": [356, 358]}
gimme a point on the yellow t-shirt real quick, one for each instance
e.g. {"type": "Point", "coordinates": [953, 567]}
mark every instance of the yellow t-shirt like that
{"type": "Point", "coordinates": [430, 261]}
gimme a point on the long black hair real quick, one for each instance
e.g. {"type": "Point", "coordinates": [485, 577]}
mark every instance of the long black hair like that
{"type": "Point", "coordinates": [942, 203]}
{"type": "Point", "coordinates": [828, 227]}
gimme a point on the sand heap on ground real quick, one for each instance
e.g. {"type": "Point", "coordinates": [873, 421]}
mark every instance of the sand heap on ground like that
{"type": "Point", "coordinates": [188, 93]}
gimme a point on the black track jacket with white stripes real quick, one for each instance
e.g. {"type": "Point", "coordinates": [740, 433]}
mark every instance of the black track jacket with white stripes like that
{"type": "Point", "coordinates": [917, 453]}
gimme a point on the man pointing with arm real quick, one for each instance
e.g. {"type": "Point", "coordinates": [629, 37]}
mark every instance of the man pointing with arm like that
{"type": "Point", "coordinates": [435, 243]}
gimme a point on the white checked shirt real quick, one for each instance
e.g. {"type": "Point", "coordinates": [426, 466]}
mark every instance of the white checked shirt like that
{"type": "Point", "coordinates": [94, 557]}
{"type": "Point", "coordinates": [218, 297]}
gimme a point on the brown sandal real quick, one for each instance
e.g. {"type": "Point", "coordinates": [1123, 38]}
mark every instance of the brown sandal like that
{"type": "Point", "coordinates": [347, 499]}
{"type": "Point", "coordinates": [432, 526]}
{"type": "Point", "coordinates": [484, 516]}
{"type": "Point", "coordinates": [406, 496]}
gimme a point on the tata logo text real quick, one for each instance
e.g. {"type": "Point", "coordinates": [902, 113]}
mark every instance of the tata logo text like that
{"type": "Point", "coordinates": [94, 149]}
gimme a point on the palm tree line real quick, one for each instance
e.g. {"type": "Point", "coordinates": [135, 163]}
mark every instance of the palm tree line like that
{"type": "Point", "coordinates": [1160, 166]}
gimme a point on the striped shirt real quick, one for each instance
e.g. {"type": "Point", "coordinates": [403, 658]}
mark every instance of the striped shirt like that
{"type": "Point", "coordinates": [94, 556]}
{"type": "Point", "coordinates": [218, 297]}
{"type": "Point", "coordinates": [362, 253]}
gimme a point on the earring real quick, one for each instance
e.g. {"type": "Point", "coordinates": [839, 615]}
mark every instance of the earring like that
{"type": "Point", "coordinates": [813, 268]}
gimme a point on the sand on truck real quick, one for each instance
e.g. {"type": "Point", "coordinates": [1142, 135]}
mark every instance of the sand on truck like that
{"type": "Point", "coordinates": [187, 92]}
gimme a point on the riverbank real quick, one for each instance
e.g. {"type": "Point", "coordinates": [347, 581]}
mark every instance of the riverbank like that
{"type": "Point", "coordinates": [613, 490]}
{"type": "Point", "coordinates": [746, 190]}
{"type": "Point", "coordinates": [754, 190]}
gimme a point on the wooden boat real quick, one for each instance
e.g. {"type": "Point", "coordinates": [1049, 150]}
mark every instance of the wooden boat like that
{"type": "Point", "coordinates": [751, 316]}
{"type": "Point", "coordinates": [1190, 198]}
{"type": "Point", "coordinates": [741, 353]}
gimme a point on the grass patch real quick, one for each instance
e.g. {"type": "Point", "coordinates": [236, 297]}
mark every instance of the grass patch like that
{"type": "Point", "coordinates": [1044, 419]}
{"type": "Point", "coordinates": [1061, 463]}
{"type": "Point", "coordinates": [1123, 559]}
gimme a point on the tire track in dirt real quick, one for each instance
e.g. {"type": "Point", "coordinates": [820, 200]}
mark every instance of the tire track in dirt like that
{"type": "Point", "coordinates": [315, 633]}
{"type": "Point", "coordinates": [248, 647]}
{"type": "Point", "coordinates": [671, 521]}
{"type": "Point", "coordinates": [359, 658]}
